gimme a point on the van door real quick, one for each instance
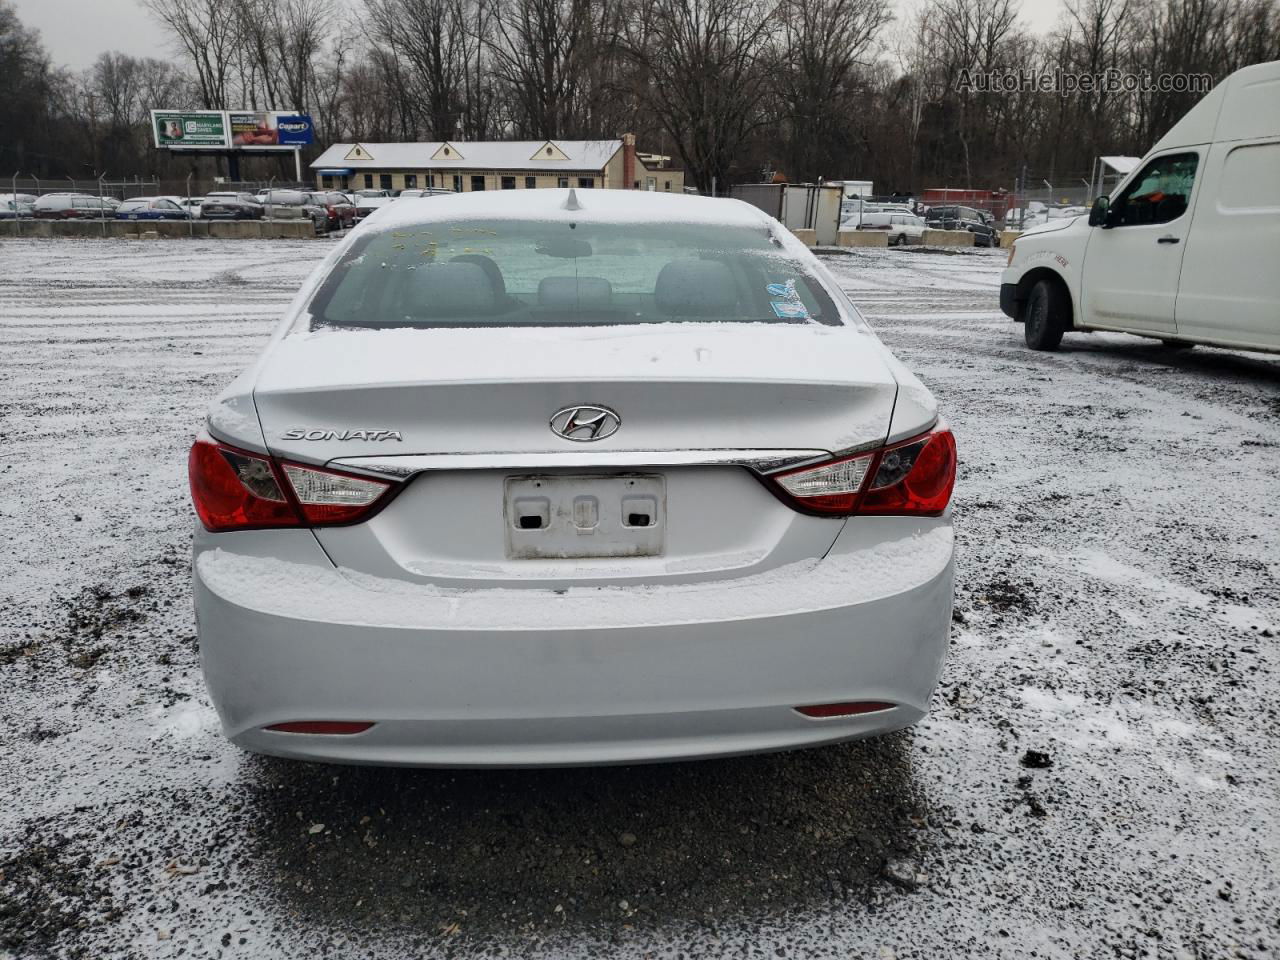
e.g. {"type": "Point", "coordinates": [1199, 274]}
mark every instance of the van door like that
{"type": "Point", "coordinates": [1230, 287]}
{"type": "Point", "coordinates": [1130, 276]}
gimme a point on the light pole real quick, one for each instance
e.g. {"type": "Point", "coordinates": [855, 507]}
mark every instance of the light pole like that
{"type": "Point", "coordinates": [102, 204]}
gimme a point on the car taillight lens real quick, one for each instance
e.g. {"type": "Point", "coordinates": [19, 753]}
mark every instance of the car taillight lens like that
{"type": "Point", "coordinates": [912, 478]}
{"type": "Point", "coordinates": [329, 497]}
{"type": "Point", "coordinates": [238, 490]}
{"type": "Point", "coordinates": [831, 487]}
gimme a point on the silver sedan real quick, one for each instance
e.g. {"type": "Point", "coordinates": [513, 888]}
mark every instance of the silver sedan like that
{"type": "Point", "coordinates": [570, 478]}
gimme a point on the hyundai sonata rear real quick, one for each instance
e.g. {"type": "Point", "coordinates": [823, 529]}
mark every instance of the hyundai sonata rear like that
{"type": "Point", "coordinates": [564, 479]}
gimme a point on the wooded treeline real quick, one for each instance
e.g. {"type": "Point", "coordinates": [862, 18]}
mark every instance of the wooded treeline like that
{"type": "Point", "coordinates": [733, 89]}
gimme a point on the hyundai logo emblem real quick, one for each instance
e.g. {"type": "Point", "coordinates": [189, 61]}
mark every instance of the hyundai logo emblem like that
{"type": "Point", "coordinates": [585, 423]}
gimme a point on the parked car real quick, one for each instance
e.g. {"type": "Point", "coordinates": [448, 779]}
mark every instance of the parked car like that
{"type": "Point", "coordinates": [976, 222]}
{"type": "Point", "coordinates": [367, 201]}
{"type": "Point", "coordinates": [285, 204]}
{"type": "Point", "coordinates": [230, 205]}
{"type": "Point", "coordinates": [851, 211]}
{"type": "Point", "coordinates": [72, 206]}
{"type": "Point", "coordinates": [151, 208]}
{"type": "Point", "coordinates": [731, 535]}
{"type": "Point", "coordinates": [339, 211]}
{"type": "Point", "coordinates": [191, 204]}
{"type": "Point", "coordinates": [1185, 250]}
{"type": "Point", "coordinates": [16, 210]}
{"type": "Point", "coordinates": [903, 228]}
{"type": "Point", "coordinates": [418, 192]}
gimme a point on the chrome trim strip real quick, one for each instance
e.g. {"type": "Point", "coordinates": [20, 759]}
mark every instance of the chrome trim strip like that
{"type": "Point", "coordinates": [406, 465]}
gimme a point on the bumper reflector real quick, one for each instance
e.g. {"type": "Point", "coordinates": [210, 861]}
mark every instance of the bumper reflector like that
{"type": "Point", "coordinates": [320, 726]}
{"type": "Point", "coordinates": [822, 711]}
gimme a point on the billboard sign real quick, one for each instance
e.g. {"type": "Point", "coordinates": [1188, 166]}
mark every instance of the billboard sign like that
{"type": "Point", "coordinates": [295, 129]}
{"type": "Point", "coordinates": [268, 129]}
{"type": "Point", "coordinates": [176, 129]}
{"type": "Point", "coordinates": [235, 129]}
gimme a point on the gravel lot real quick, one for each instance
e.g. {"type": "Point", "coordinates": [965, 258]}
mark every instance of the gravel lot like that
{"type": "Point", "coordinates": [1100, 776]}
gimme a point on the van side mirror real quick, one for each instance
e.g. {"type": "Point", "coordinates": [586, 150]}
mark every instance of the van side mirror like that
{"type": "Point", "coordinates": [1098, 212]}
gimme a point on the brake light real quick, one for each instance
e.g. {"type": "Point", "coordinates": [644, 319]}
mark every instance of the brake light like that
{"type": "Point", "coordinates": [911, 478]}
{"type": "Point", "coordinates": [914, 478]}
{"type": "Point", "coordinates": [235, 489]}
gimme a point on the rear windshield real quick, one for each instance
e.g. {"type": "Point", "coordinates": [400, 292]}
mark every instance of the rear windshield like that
{"type": "Point", "coordinates": [532, 273]}
{"type": "Point", "coordinates": [286, 197]}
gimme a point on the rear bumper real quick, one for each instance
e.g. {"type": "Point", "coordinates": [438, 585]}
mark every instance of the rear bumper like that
{"type": "Point", "coordinates": [1008, 300]}
{"type": "Point", "coordinates": [532, 677]}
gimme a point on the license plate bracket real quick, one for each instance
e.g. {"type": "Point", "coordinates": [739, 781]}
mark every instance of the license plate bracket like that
{"type": "Point", "coordinates": [551, 517]}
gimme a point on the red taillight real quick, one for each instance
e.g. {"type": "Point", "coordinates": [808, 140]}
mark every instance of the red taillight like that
{"type": "Point", "coordinates": [329, 727]}
{"type": "Point", "coordinates": [823, 711]}
{"type": "Point", "coordinates": [914, 477]}
{"type": "Point", "coordinates": [238, 490]}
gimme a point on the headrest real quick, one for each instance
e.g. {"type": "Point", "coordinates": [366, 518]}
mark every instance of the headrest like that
{"type": "Point", "coordinates": [450, 290]}
{"type": "Point", "coordinates": [489, 267]}
{"type": "Point", "coordinates": [696, 288]}
{"type": "Point", "coordinates": [575, 293]}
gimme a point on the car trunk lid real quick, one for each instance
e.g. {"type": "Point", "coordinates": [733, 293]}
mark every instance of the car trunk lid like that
{"type": "Point", "coordinates": [482, 401]}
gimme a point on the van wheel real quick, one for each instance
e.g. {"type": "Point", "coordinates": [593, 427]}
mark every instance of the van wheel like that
{"type": "Point", "coordinates": [1045, 318]}
{"type": "Point", "coordinates": [902, 239]}
{"type": "Point", "coordinates": [1177, 344]}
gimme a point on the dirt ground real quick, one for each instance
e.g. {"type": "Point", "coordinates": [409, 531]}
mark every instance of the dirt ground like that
{"type": "Point", "coordinates": [1100, 775]}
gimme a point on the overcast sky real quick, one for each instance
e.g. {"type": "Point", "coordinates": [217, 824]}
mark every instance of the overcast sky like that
{"type": "Point", "coordinates": [76, 31]}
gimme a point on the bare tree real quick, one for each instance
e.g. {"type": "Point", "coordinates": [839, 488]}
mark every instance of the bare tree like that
{"type": "Point", "coordinates": [703, 73]}
{"type": "Point", "coordinates": [817, 53]}
{"type": "Point", "coordinates": [209, 38]}
{"type": "Point", "coordinates": [547, 55]}
{"type": "Point", "coordinates": [429, 37]}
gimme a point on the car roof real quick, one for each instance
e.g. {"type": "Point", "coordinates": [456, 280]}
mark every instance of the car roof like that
{"type": "Point", "coordinates": [569, 205]}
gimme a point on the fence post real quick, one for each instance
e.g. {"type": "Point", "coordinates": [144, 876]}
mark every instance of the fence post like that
{"type": "Point", "coordinates": [270, 187]}
{"type": "Point", "coordinates": [191, 221]}
{"type": "Point", "coordinates": [17, 208]}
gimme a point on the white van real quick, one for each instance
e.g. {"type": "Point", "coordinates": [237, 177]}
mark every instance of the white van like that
{"type": "Point", "coordinates": [1188, 248]}
{"type": "Point", "coordinates": [903, 228]}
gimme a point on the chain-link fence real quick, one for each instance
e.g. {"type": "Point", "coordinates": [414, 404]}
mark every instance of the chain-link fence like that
{"type": "Point", "coordinates": [128, 189]}
{"type": "Point", "coordinates": [1037, 198]}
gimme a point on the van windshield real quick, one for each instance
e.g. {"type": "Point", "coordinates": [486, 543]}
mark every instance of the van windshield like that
{"type": "Point", "coordinates": [535, 273]}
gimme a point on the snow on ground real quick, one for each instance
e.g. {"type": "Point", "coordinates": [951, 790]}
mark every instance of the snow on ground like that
{"type": "Point", "coordinates": [1100, 775]}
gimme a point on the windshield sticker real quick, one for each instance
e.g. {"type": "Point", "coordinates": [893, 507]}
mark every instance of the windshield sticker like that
{"type": "Point", "coordinates": [790, 309]}
{"type": "Point", "coordinates": [789, 306]}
